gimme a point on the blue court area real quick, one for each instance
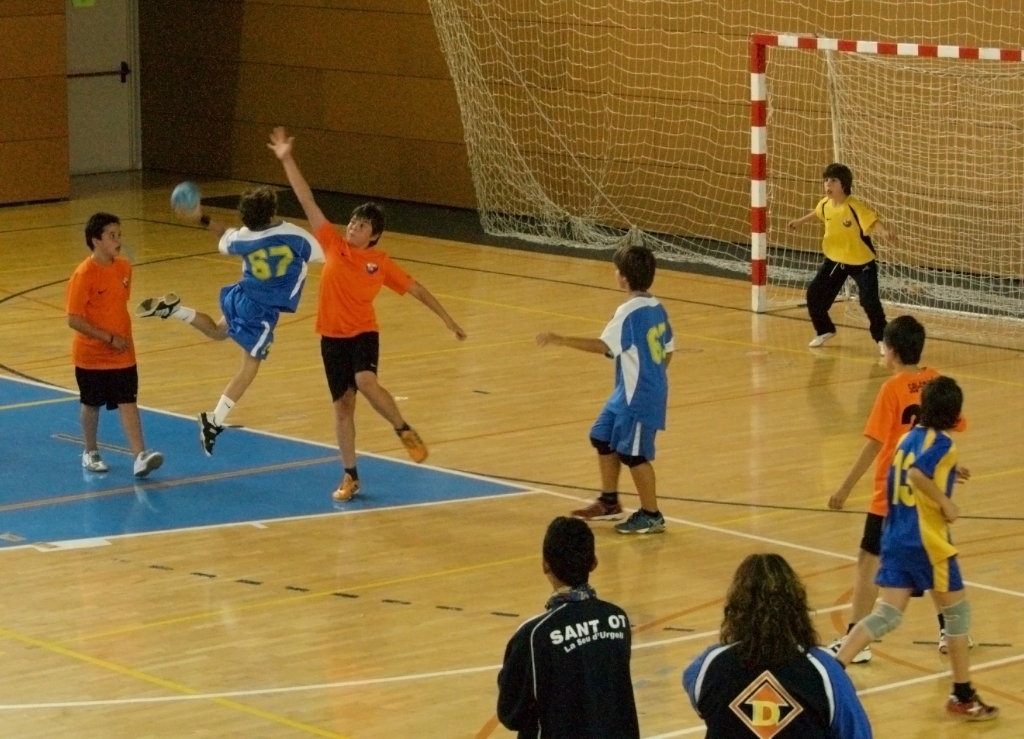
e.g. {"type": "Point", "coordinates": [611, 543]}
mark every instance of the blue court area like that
{"type": "Point", "coordinates": [46, 496]}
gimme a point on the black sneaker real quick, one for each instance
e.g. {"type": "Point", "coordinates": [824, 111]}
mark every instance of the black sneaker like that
{"type": "Point", "coordinates": [208, 432]}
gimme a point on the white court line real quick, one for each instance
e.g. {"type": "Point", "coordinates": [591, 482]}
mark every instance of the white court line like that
{"type": "Point", "coordinates": [262, 523]}
{"type": "Point", "coordinates": [782, 543]}
{"type": "Point", "coordinates": [981, 666]}
{"type": "Point", "coordinates": [271, 434]}
{"type": "Point", "coordinates": [681, 732]}
{"type": "Point", "coordinates": [328, 686]}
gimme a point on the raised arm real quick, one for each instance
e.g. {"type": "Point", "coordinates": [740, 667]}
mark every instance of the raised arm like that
{"type": "Point", "coordinates": [281, 144]}
{"type": "Point", "coordinates": [423, 295]}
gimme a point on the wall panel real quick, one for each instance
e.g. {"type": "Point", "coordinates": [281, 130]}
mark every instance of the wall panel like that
{"type": "Point", "coordinates": [33, 102]}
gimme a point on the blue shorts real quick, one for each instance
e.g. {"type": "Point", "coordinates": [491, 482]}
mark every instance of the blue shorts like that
{"type": "Point", "coordinates": [250, 324]}
{"type": "Point", "coordinates": [943, 577]}
{"type": "Point", "coordinates": [625, 434]}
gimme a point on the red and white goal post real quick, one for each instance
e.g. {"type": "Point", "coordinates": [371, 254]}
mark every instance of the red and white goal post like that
{"type": "Point", "coordinates": [945, 119]}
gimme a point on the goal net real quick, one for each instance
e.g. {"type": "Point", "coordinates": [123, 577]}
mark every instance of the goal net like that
{"type": "Point", "coordinates": [591, 123]}
{"type": "Point", "coordinates": [935, 138]}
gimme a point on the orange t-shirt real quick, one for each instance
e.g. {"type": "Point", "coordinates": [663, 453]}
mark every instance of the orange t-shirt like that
{"type": "Point", "coordinates": [896, 410]}
{"type": "Point", "coordinates": [99, 294]}
{"type": "Point", "coordinates": [350, 280]}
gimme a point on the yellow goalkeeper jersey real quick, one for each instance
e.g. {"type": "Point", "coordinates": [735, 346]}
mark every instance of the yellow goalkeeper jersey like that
{"type": "Point", "coordinates": [846, 237]}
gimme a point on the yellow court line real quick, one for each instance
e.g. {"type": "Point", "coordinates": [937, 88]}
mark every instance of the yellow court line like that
{"type": "Point", "coordinates": [163, 485]}
{"type": "Point", "coordinates": [729, 342]}
{"type": "Point", "coordinates": [462, 347]}
{"type": "Point", "coordinates": [293, 599]}
{"type": "Point", "coordinates": [38, 402]}
{"type": "Point", "coordinates": [521, 308]}
{"type": "Point", "coordinates": [1000, 473]}
{"type": "Point", "coordinates": [170, 685]}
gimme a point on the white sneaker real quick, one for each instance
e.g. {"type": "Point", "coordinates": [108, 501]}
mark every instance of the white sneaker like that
{"type": "Point", "coordinates": [944, 645]}
{"type": "Point", "coordinates": [146, 462]}
{"type": "Point", "coordinates": [861, 657]}
{"type": "Point", "coordinates": [92, 462]}
{"type": "Point", "coordinates": [821, 339]}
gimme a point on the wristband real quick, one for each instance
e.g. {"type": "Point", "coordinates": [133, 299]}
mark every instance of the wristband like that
{"type": "Point", "coordinates": [204, 220]}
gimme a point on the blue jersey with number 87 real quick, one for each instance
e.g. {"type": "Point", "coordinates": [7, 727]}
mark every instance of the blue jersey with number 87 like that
{"type": "Point", "coordinates": [274, 262]}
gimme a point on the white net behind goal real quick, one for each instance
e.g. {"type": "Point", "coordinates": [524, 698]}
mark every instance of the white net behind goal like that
{"type": "Point", "coordinates": [936, 147]}
{"type": "Point", "coordinates": [592, 123]}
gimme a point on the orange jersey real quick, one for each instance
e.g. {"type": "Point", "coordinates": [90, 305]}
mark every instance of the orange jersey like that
{"type": "Point", "coordinates": [350, 281]}
{"type": "Point", "coordinates": [896, 410]}
{"type": "Point", "coordinates": [99, 294]}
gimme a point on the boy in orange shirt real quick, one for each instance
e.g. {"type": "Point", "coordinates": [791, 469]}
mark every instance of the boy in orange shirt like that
{"type": "Point", "coordinates": [896, 410]}
{"type": "Point", "coordinates": [102, 348]}
{"type": "Point", "coordinates": [354, 272]}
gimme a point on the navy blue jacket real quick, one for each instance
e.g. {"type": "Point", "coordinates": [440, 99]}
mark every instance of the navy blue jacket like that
{"type": "Point", "coordinates": [808, 697]}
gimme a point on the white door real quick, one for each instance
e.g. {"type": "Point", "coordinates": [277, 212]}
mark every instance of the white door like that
{"type": "Point", "coordinates": [104, 131]}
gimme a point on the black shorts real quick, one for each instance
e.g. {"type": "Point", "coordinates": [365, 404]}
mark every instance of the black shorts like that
{"type": "Point", "coordinates": [343, 358]}
{"type": "Point", "coordinates": [110, 387]}
{"type": "Point", "coordinates": [871, 542]}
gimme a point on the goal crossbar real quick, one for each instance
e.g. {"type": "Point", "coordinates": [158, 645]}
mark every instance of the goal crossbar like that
{"type": "Point", "coordinates": [759, 45]}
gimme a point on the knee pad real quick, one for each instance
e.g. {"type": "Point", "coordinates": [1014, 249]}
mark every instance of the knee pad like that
{"type": "Point", "coordinates": [631, 461]}
{"type": "Point", "coordinates": [958, 618]}
{"type": "Point", "coordinates": [882, 620]}
{"type": "Point", "coordinates": [602, 447]}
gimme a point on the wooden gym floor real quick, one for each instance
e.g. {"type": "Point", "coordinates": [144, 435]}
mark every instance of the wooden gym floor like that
{"type": "Point", "coordinates": [167, 636]}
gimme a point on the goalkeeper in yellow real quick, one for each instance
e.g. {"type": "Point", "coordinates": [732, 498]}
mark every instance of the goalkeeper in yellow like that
{"type": "Point", "coordinates": [849, 224]}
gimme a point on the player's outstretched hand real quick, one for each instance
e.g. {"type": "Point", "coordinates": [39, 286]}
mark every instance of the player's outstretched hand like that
{"type": "Point", "coordinates": [794, 224]}
{"type": "Point", "coordinates": [457, 330]}
{"type": "Point", "coordinates": [962, 475]}
{"type": "Point", "coordinates": [838, 499]}
{"type": "Point", "coordinates": [280, 143]}
{"type": "Point", "coordinates": [546, 338]}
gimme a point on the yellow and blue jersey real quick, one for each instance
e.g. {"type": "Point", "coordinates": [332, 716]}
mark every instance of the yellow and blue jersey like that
{"type": "Point", "coordinates": [916, 532]}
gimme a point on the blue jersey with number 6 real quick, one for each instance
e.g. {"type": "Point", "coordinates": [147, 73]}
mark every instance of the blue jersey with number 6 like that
{"type": "Point", "coordinates": [639, 337]}
{"type": "Point", "coordinates": [274, 262]}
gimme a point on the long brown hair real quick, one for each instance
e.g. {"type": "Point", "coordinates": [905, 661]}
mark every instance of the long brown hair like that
{"type": "Point", "coordinates": [766, 614]}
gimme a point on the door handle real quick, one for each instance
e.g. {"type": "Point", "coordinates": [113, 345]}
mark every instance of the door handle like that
{"type": "Point", "coordinates": [123, 71]}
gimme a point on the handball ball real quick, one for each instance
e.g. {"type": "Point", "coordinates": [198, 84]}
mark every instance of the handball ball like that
{"type": "Point", "coordinates": [185, 197]}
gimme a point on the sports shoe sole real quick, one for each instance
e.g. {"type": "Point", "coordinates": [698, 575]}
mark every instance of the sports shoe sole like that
{"type": "Point", "coordinates": [657, 529]}
{"type": "Point", "coordinates": [153, 306]}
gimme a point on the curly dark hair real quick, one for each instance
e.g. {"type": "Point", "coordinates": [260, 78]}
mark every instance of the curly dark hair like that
{"type": "Point", "coordinates": [257, 207]}
{"type": "Point", "coordinates": [766, 614]}
{"type": "Point", "coordinates": [839, 172]}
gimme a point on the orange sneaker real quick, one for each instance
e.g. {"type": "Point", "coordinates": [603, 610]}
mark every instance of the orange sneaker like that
{"type": "Point", "coordinates": [349, 487]}
{"type": "Point", "coordinates": [413, 444]}
{"type": "Point", "coordinates": [972, 710]}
